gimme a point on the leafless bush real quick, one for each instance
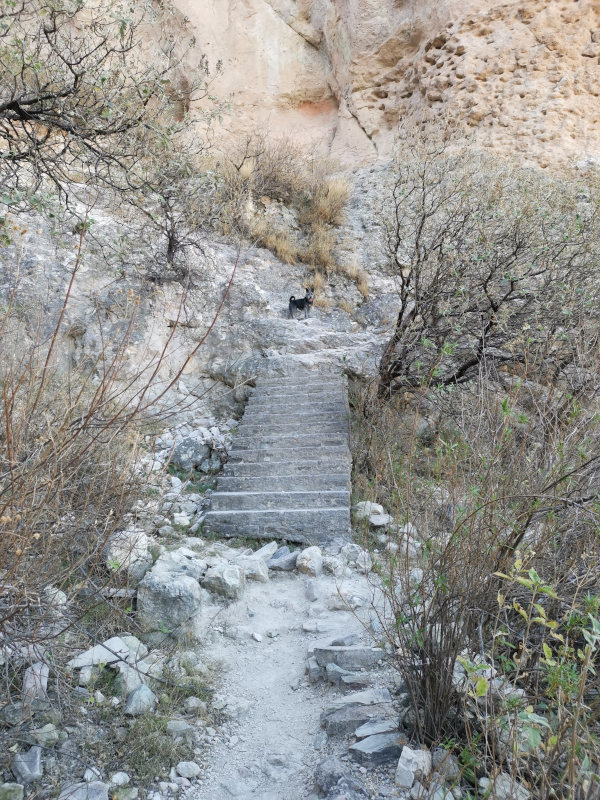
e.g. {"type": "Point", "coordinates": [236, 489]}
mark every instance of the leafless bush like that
{"type": "Point", "coordinates": [484, 483]}
{"type": "Point", "coordinates": [78, 102]}
{"type": "Point", "coordinates": [262, 171]}
{"type": "Point", "coordinates": [494, 264]}
{"type": "Point", "coordinates": [481, 437]}
{"type": "Point", "coordinates": [69, 465]}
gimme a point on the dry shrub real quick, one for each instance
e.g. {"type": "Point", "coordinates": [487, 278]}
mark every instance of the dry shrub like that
{"type": "Point", "coordinates": [352, 270]}
{"type": "Point", "coordinates": [276, 170]}
{"type": "Point", "coordinates": [326, 203]}
{"type": "Point", "coordinates": [317, 281]}
{"type": "Point", "coordinates": [498, 478]}
{"type": "Point", "coordinates": [362, 284]}
{"type": "Point", "coordinates": [69, 468]}
{"type": "Point", "coordinates": [279, 240]}
{"type": "Point", "coordinates": [346, 306]}
{"type": "Point", "coordinates": [322, 302]}
{"type": "Point", "coordinates": [319, 250]}
{"type": "Point", "coordinates": [67, 477]}
{"type": "Point", "coordinates": [259, 167]}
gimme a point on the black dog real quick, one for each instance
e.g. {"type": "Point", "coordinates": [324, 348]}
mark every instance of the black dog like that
{"type": "Point", "coordinates": [304, 304]}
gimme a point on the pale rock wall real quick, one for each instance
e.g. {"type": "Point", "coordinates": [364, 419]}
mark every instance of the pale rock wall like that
{"type": "Point", "coordinates": [347, 74]}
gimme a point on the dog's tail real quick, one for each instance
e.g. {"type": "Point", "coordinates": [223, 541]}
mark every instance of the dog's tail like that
{"type": "Point", "coordinates": [292, 298]}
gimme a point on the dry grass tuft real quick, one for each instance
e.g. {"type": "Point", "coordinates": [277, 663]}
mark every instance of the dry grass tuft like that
{"type": "Point", "coordinates": [322, 302]}
{"type": "Point", "coordinates": [325, 203]}
{"type": "Point", "coordinates": [346, 306]}
{"type": "Point", "coordinates": [279, 240]}
{"type": "Point", "coordinates": [319, 250]}
{"type": "Point", "coordinates": [317, 281]}
{"type": "Point", "coordinates": [362, 284]}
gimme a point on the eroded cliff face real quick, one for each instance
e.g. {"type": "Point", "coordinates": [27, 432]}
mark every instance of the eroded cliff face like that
{"type": "Point", "coordinates": [347, 74]}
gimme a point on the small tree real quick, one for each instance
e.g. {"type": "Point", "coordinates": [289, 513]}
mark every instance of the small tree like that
{"type": "Point", "coordinates": [80, 98]}
{"type": "Point", "coordinates": [494, 265]}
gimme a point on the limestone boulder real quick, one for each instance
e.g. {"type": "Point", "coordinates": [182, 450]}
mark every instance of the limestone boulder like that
{"type": "Point", "coordinates": [128, 553]}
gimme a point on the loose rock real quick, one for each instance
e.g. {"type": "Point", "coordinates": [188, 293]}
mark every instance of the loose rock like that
{"type": "Point", "coordinates": [35, 681]}
{"type": "Point", "coordinates": [349, 658]}
{"type": "Point", "coordinates": [505, 788]}
{"type": "Point", "coordinates": [140, 701]}
{"type": "Point", "coordinates": [226, 580]}
{"type": "Point", "coordinates": [188, 769]}
{"type": "Point", "coordinates": [344, 720]}
{"type": "Point", "coordinates": [114, 649]}
{"type": "Point", "coordinates": [310, 561]}
{"type": "Point", "coordinates": [412, 765]}
{"type": "Point", "coordinates": [95, 790]}
{"type": "Point", "coordinates": [378, 749]}
{"type": "Point", "coordinates": [283, 559]}
{"type": "Point", "coordinates": [27, 767]}
{"type": "Point", "coordinates": [11, 791]}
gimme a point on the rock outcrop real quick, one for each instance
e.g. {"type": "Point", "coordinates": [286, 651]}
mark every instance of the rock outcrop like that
{"type": "Point", "coordinates": [348, 73]}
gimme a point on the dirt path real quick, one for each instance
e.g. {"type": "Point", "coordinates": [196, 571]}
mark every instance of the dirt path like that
{"type": "Point", "coordinates": [269, 748]}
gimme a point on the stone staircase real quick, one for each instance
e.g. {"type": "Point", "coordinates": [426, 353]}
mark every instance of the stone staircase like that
{"type": "Point", "coordinates": [288, 474]}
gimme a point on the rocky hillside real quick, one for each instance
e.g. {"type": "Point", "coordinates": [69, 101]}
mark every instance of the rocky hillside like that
{"type": "Point", "coordinates": [521, 75]}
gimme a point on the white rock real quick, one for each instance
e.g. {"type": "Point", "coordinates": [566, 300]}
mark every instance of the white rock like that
{"type": "Point", "coordinates": [505, 788]}
{"type": "Point", "coordinates": [137, 649]}
{"type": "Point", "coordinates": [310, 561]}
{"type": "Point", "coordinates": [85, 675]}
{"type": "Point", "coordinates": [255, 569]}
{"type": "Point", "coordinates": [113, 649]}
{"type": "Point", "coordinates": [140, 700]}
{"type": "Point", "coordinates": [364, 509]}
{"type": "Point", "coordinates": [169, 596]}
{"type": "Point", "coordinates": [227, 580]}
{"type": "Point", "coordinates": [266, 551]}
{"type": "Point", "coordinates": [127, 552]}
{"type": "Point", "coordinates": [56, 600]}
{"type": "Point", "coordinates": [188, 769]}
{"type": "Point", "coordinates": [120, 779]}
{"type": "Point", "coordinates": [35, 681]}
{"type": "Point", "coordinates": [380, 520]}
{"type": "Point", "coordinates": [412, 765]}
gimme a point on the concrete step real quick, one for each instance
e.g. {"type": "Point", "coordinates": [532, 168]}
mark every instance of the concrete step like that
{"type": "Point", "coordinates": [304, 393]}
{"type": "Point", "coordinates": [295, 409]}
{"type": "Point", "coordinates": [261, 501]}
{"type": "Point", "coordinates": [309, 526]}
{"type": "Point", "coordinates": [257, 456]}
{"type": "Point", "coordinates": [309, 466]}
{"type": "Point", "coordinates": [284, 424]}
{"type": "Point", "coordinates": [299, 391]}
{"type": "Point", "coordinates": [283, 483]}
{"type": "Point", "coordinates": [281, 442]}
{"type": "Point", "coordinates": [309, 380]}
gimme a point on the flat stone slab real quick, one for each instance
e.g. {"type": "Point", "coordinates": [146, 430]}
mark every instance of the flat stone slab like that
{"type": "Point", "coordinates": [368, 697]}
{"type": "Point", "coordinates": [374, 728]}
{"type": "Point", "coordinates": [349, 658]}
{"type": "Point", "coordinates": [378, 749]}
{"type": "Point", "coordinates": [256, 455]}
{"type": "Point", "coordinates": [284, 483]}
{"type": "Point", "coordinates": [346, 719]}
{"type": "Point", "coordinates": [309, 526]}
{"type": "Point", "coordinates": [112, 650]}
{"type": "Point", "coordinates": [306, 466]}
{"type": "Point", "coordinates": [254, 501]}
{"type": "Point", "coordinates": [355, 680]}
